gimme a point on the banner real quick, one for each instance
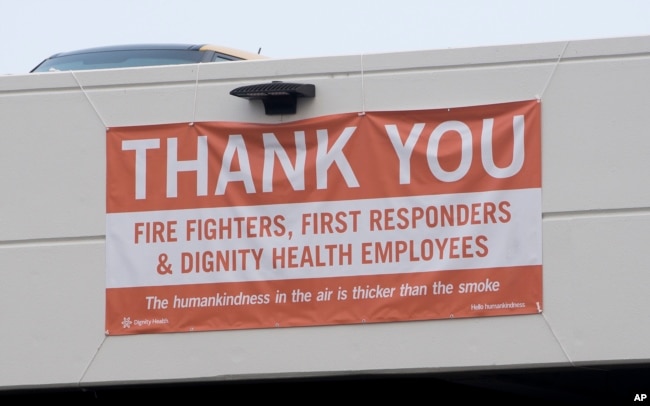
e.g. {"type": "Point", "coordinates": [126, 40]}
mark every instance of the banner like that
{"type": "Point", "coordinates": [348, 218]}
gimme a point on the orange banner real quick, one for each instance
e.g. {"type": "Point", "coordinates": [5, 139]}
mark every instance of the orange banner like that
{"type": "Point", "coordinates": [349, 218]}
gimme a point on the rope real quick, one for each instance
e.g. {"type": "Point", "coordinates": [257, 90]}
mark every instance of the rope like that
{"type": "Point", "coordinates": [89, 100]}
{"type": "Point", "coordinates": [557, 63]}
{"type": "Point", "coordinates": [92, 360]}
{"type": "Point", "coordinates": [363, 90]}
{"type": "Point", "coordinates": [539, 98]}
{"type": "Point", "coordinates": [566, 354]}
{"type": "Point", "coordinates": [196, 92]}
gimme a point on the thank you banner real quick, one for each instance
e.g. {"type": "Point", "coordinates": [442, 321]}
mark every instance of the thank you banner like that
{"type": "Point", "coordinates": [348, 218]}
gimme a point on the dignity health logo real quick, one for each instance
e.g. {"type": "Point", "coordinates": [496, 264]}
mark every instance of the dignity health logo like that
{"type": "Point", "coordinates": [127, 322]}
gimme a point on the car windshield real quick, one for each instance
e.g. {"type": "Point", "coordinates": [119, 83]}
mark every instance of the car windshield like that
{"type": "Point", "coordinates": [120, 59]}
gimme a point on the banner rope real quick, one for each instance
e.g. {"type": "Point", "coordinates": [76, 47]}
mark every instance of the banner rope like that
{"type": "Point", "coordinates": [557, 63]}
{"type": "Point", "coordinates": [539, 98]}
{"type": "Point", "coordinates": [196, 92]}
{"type": "Point", "coordinates": [89, 99]}
{"type": "Point", "coordinates": [363, 90]}
{"type": "Point", "coordinates": [99, 116]}
{"type": "Point", "coordinates": [566, 354]}
{"type": "Point", "coordinates": [92, 359]}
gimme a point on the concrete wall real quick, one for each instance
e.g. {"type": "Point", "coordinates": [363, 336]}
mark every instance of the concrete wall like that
{"type": "Point", "coordinates": [596, 218]}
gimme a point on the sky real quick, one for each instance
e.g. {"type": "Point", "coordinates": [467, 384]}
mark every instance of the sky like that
{"type": "Point", "coordinates": [35, 29]}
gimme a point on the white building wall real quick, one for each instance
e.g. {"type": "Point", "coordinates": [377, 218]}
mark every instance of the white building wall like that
{"type": "Point", "coordinates": [596, 218]}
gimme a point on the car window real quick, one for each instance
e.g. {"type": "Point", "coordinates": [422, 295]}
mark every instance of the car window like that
{"type": "Point", "coordinates": [126, 59]}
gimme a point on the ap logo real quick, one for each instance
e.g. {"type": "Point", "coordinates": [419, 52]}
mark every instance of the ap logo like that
{"type": "Point", "coordinates": [640, 397]}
